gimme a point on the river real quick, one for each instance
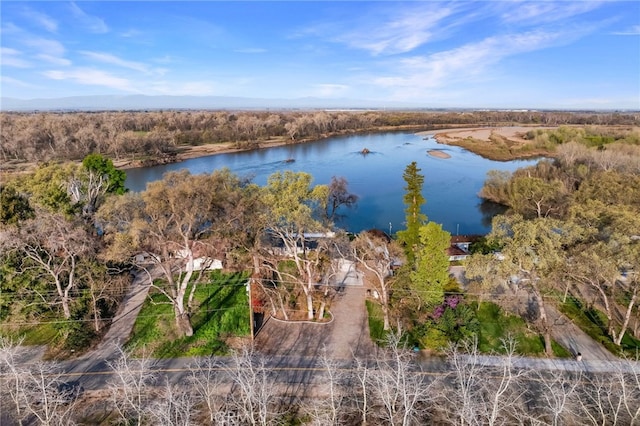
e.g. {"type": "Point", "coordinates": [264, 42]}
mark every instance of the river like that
{"type": "Point", "coordinates": [451, 184]}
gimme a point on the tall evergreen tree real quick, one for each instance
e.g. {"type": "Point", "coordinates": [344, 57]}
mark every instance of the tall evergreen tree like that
{"type": "Point", "coordinates": [414, 200]}
{"type": "Point", "coordinates": [432, 265]}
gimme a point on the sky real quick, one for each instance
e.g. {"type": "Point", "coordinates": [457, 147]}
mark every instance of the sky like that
{"type": "Point", "coordinates": [467, 54]}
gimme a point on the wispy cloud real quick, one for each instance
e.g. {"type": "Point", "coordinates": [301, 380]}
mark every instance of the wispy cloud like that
{"type": "Point", "coordinates": [538, 12]}
{"type": "Point", "coordinates": [633, 31]}
{"type": "Point", "coordinates": [13, 58]}
{"type": "Point", "coordinates": [92, 77]}
{"type": "Point", "coordinates": [56, 60]}
{"type": "Point", "coordinates": [421, 74]}
{"type": "Point", "coordinates": [131, 33]}
{"type": "Point", "coordinates": [400, 32]}
{"type": "Point", "coordinates": [108, 58]}
{"type": "Point", "coordinates": [329, 90]}
{"type": "Point", "coordinates": [93, 24]}
{"type": "Point", "coordinates": [40, 19]}
{"type": "Point", "coordinates": [45, 46]}
{"type": "Point", "coordinates": [14, 81]}
{"type": "Point", "coordinates": [251, 50]}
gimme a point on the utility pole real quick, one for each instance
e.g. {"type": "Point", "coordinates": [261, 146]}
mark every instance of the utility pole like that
{"type": "Point", "coordinates": [251, 325]}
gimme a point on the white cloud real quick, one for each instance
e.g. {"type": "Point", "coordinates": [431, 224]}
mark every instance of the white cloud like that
{"type": "Point", "coordinates": [45, 46]}
{"type": "Point", "coordinates": [329, 90]}
{"type": "Point", "coordinates": [13, 58]}
{"type": "Point", "coordinates": [40, 19]}
{"type": "Point", "coordinates": [251, 50]}
{"type": "Point", "coordinates": [399, 33]}
{"type": "Point", "coordinates": [423, 74]}
{"type": "Point", "coordinates": [92, 77]}
{"type": "Point", "coordinates": [633, 31]}
{"type": "Point", "coordinates": [56, 60]}
{"type": "Point", "coordinates": [16, 82]}
{"type": "Point", "coordinates": [131, 33]}
{"type": "Point", "coordinates": [537, 12]}
{"type": "Point", "coordinates": [108, 58]}
{"type": "Point", "coordinates": [92, 23]}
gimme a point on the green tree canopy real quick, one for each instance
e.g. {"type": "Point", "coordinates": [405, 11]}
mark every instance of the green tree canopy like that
{"type": "Point", "coordinates": [432, 267]}
{"type": "Point", "coordinates": [14, 207]}
{"type": "Point", "coordinates": [414, 201]}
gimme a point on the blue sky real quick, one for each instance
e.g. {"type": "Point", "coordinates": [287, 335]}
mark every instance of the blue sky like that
{"type": "Point", "coordinates": [493, 54]}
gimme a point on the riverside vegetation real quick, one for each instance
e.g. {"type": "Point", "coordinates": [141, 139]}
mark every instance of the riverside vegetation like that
{"type": "Point", "coordinates": [71, 235]}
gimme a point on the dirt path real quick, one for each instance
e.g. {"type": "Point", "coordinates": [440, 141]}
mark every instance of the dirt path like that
{"type": "Point", "coordinates": [347, 334]}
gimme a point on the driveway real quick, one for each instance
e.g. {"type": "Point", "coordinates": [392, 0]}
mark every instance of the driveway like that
{"type": "Point", "coordinates": [345, 336]}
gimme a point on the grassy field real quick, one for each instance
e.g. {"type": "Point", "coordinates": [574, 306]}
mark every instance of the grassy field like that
{"type": "Point", "coordinates": [222, 314]}
{"type": "Point", "coordinates": [496, 325]}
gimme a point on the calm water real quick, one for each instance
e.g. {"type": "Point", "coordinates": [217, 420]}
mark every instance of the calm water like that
{"type": "Point", "coordinates": [450, 188]}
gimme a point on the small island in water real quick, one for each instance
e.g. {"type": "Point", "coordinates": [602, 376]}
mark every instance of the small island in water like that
{"type": "Point", "coordinates": [437, 153]}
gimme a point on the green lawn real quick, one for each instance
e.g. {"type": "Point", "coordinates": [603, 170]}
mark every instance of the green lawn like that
{"type": "Point", "coordinates": [376, 322]}
{"type": "Point", "coordinates": [496, 325]}
{"type": "Point", "coordinates": [222, 312]}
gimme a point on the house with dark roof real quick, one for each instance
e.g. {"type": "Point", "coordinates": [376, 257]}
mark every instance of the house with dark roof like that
{"type": "Point", "coordinates": [460, 247]}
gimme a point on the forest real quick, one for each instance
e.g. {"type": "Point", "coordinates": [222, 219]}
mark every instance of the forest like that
{"type": "Point", "coordinates": [158, 135]}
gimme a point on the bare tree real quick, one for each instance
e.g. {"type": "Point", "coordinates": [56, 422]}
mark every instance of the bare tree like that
{"type": "Point", "coordinates": [474, 394]}
{"type": "Point", "coordinates": [328, 405]}
{"type": "Point", "coordinates": [397, 386]}
{"type": "Point", "coordinates": [376, 254]}
{"type": "Point", "coordinates": [172, 406]}
{"type": "Point", "coordinates": [555, 397]}
{"type": "Point", "coordinates": [361, 377]}
{"type": "Point", "coordinates": [253, 393]}
{"type": "Point", "coordinates": [207, 377]}
{"type": "Point", "coordinates": [610, 399]}
{"type": "Point", "coordinates": [36, 391]}
{"type": "Point", "coordinates": [130, 390]}
{"type": "Point", "coordinates": [54, 246]}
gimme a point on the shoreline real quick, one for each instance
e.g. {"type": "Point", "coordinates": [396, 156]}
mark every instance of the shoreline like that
{"type": "Point", "coordinates": [445, 136]}
{"type": "Point", "coordinates": [191, 152]}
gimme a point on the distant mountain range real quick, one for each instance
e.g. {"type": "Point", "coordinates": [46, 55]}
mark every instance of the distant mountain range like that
{"type": "Point", "coordinates": [143, 102]}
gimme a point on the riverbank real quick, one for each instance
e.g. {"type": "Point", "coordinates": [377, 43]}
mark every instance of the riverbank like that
{"type": "Point", "coordinates": [478, 140]}
{"type": "Point", "coordinates": [186, 152]}
{"type": "Point", "coordinates": [493, 143]}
